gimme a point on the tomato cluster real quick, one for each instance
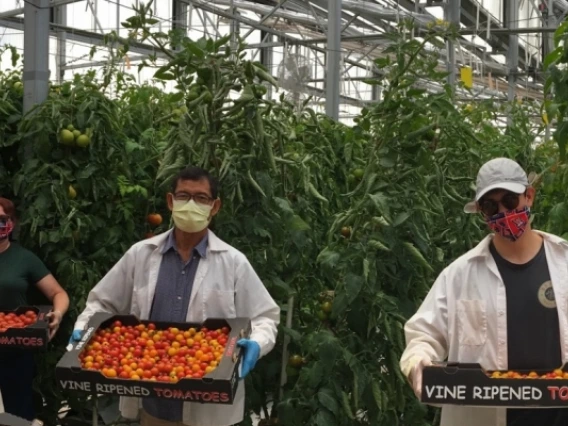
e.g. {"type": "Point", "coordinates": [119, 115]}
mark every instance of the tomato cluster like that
{"type": "Point", "coordinates": [142, 352]}
{"type": "Point", "coordinates": [11, 320]}
{"type": "Point", "coordinates": [556, 374]}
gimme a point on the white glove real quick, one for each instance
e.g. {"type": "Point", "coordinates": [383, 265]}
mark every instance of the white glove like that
{"type": "Point", "coordinates": [413, 370]}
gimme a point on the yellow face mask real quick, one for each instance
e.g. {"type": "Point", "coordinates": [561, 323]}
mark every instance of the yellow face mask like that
{"type": "Point", "coordinates": [191, 217]}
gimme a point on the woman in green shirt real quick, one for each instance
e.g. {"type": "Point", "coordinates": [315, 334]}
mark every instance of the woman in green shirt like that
{"type": "Point", "coordinates": [19, 269]}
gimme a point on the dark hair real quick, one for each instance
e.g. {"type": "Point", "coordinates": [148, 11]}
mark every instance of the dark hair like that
{"type": "Point", "coordinates": [196, 174]}
{"type": "Point", "coordinates": [9, 208]}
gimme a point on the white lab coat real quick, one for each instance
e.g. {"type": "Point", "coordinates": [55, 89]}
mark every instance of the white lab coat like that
{"type": "Point", "coordinates": [225, 286]}
{"type": "Point", "coordinates": [464, 318]}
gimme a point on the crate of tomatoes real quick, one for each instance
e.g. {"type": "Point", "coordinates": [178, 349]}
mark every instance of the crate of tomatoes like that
{"type": "Point", "coordinates": [25, 328]}
{"type": "Point", "coordinates": [122, 355]}
{"type": "Point", "coordinates": [470, 384]}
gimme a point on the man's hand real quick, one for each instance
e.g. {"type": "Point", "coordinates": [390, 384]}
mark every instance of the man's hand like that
{"type": "Point", "coordinates": [250, 357]}
{"type": "Point", "coordinates": [54, 318]}
{"type": "Point", "coordinates": [415, 375]}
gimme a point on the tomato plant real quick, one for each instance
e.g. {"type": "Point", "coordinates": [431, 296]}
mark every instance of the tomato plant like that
{"type": "Point", "coordinates": [11, 106]}
{"type": "Point", "coordinates": [404, 223]}
{"type": "Point", "coordinates": [84, 197]}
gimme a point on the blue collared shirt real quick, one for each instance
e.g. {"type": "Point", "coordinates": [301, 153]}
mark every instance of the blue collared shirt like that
{"type": "Point", "coordinates": [171, 302]}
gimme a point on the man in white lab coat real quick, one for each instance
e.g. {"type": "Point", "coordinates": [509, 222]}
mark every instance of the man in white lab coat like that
{"type": "Point", "coordinates": [188, 275]}
{"type": "Point", "coordinates": [497, 304]}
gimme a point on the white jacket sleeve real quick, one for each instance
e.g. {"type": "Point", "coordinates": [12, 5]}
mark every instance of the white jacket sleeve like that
{"type": "Point", "coordinates": [253, 301]}
{"type": "Point", "coordinates": [112, 294]}
{"type": "Point", "coordinates": [427, 331]}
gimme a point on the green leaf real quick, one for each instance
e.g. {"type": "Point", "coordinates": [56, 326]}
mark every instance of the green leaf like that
{"type": "Point", "coordinates": [415, 253]}
{"type": "Point", "coordinates": [560, 32]}
{"type": "Point", "coordinates": [377, 245]}
{"type": "Point", "coordinates": [401, 218]}
{"type": "Point", "coordinates": [439, 254]}
{"type": "Point", "coordinates": [131, 146]}
{"type": "Point", "coordinates": [294, 335]}
{"type": "Point", "coordinates": [381, 202]}
{"type": "Point", "coordinates": [221, 42]}
{"type": "Point", "coordinates": [561, 137]}
{"type": "Point", "coordinates": [347, 406]}
{"type": "Point", "coordinates": [327, 399]}
{"type": "Point", "coordinates": [328, 353]}
{"type": "Point", "coordinates": [315, 375]}
{"type": "Point", "coordinates": [372, 81]}
{"type": "Point", "coordinates": [176, 97]}
{"type": "Point", "coordinates": [340, 304]}
{"type": "Point", "coordinates": [195, 49]}
{"type": "Point", "coordinates": [287, 411]}
{"type": "Point", "coordinates": [284, 205]}
{"type": "Point", "coordinates": [284, 286]}
{"type": "Point", "coordinates": [387, 162]}
{"type": "Point", "coordinates": [557, 217]}
{"type": "Point", "coordinates": [328, 257]}
{"type": "Point", "coordinates": [296, 223]}
{"type": "Point", "coordinates": [553, 56]}
{"type": "Point", "coordinates": [325, 418]}
{"type": "Point", "coordinates": [164, 76]}
{"type": "Point", "coordinates": [353, 285]}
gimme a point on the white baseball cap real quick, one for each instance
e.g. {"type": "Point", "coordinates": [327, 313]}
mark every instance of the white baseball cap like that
{"type": "Point", "coordinates": [499, 173]}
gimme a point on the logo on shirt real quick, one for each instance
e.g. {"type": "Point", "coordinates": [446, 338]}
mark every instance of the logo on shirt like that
{"type": "Point", "coordinates": [546, 295]}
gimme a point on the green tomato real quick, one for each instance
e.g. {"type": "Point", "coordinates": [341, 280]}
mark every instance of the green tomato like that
{"type": "Point", "coordinates": [326, 307]}
{"type": "Point", "coordinates": [322, 315]}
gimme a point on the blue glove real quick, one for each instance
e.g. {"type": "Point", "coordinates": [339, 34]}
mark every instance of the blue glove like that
{"type": "Point", "coordinates": [250, 357]}
{"type": "Point", "coordinates": [76, 336]}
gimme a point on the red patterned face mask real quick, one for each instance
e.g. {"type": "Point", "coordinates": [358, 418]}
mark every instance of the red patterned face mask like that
{"type": "Point", "coordinates": [6, 228]}
{"type": "Point", "coordinates": [511, 224]}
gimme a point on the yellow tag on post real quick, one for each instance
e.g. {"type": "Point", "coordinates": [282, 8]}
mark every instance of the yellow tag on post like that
{"type": "Point", "coordinates": [467, 77]}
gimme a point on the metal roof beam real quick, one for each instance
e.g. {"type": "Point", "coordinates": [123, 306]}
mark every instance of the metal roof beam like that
{"type": "Point", "coordinates": [205, 5]}
{"type": "Point", "coordinates": [82, 36]}
{"type": "Point", "coordinates": [20, 11]}
{"type": "Point", "coordinates": [498, 34]}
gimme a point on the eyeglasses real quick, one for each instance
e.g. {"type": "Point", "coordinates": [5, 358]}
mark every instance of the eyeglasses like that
{"type": "Point", "coordinates": [198, 198]}
{"type": "Point", "coordinates": [490, 207]}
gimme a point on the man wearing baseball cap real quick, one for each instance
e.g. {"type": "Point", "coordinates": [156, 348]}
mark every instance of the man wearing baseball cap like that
{"type": "Point", "coordinates": [497, 304]}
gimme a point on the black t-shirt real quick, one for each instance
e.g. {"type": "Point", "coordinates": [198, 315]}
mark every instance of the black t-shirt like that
{"type": "Point", "coordinates": [19, 269]}
{"type": "Point", "coordinates": [533, 330]}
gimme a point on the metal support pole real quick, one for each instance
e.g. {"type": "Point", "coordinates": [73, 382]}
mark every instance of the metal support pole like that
{"type": "Point", "coordinates": [234, 28]}
{"type": "Point", "coordinates": [512, 14]}
{"type": "Point", "coordinates": [60, 17]}
{"type": "Point", "coordinates": [377, 90]}
{"type": "Point", "coordinates": [36, 52]}
{"type": "Point", "coordinates": [452, 14]}
{"type": "Point", "coordinates": [548, 40]}
{"type": "Point", "coordinates": [266, 58]}
{"type": "Point", "coordinates": [95, 11]}
{"type": "Point", "coordinates": [333, 59]}
{"type": "Point", "coordinates": [180, 15]}
{"type": "Point", "coordinates": [551, 24]}
{"type": "Point", "coordinates": [283, 375]}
